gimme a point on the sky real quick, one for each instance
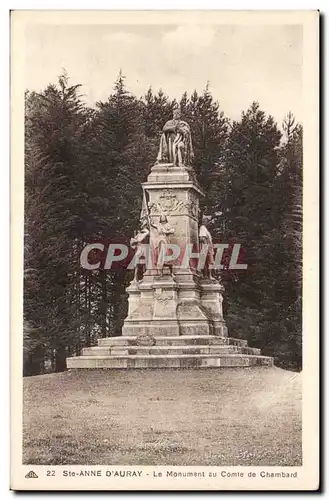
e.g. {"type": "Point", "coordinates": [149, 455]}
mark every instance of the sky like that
{"type": "Point", "coordinates": [242, 63]}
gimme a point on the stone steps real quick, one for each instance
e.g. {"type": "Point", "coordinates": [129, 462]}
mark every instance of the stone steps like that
{"type": "Point", "coordinates": [168, 349]}
{"type": "Point", "coordinates": [202, 340]}
{"type": "Point", "coordinates": [168, 361]}
{"type": "Point", "coordinates": [202, 351]}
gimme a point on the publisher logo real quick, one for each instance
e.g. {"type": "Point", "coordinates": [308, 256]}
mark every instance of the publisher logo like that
{"type": "Point", "coordinates": [31, 475]}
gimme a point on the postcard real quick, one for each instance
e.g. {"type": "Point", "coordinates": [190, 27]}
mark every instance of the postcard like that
{"type": "Point", "coordinates": [164, 250]}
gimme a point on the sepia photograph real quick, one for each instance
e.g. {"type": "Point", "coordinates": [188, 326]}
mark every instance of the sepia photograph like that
{"type": "Point", "coordinates": [163, 220]}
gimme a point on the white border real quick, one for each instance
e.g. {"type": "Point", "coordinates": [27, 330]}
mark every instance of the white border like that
{"type": "Point", "coordinates": [97, 4]}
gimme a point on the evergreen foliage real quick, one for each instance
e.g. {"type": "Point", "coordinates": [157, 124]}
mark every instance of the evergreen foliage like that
{"type": "Point", "coordinates": [83, 174]}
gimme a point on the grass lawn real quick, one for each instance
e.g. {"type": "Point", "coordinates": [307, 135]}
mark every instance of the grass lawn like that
{"type": "Point", "coordinates": [237, 416]}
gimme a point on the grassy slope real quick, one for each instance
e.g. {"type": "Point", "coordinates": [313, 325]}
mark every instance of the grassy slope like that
{"type": "Point", "coordinates": [164, 417]}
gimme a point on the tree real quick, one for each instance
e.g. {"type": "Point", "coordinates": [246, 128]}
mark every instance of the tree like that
{"type": "Point", "coordinates": [288, 283]}
{"type": "Point", "coordinates": [252, 217]}
{"type": "Point", "coordinates": [120, 153]}
{"type": "Point", "coordinates": [209, 132]}
{"type": "Point", "coordinates": [54, 206]}
{"type": "Point", "coordinates": [157, 109]}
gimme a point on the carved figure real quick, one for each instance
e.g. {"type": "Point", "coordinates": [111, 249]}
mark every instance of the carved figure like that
{"type": "Point", "coordinates": [160, 232]}
{"type": "Point", "coordinates": [137, 243]}
{"type": "Point", "coordinates": [176, 142]}
{"type": "Point", "coordinates": [206, 249]}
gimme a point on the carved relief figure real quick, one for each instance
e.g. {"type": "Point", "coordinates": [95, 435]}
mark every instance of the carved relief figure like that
{"type": "Point", "coordinates": [160, 232]}
{"type": "Point", "coordinates": [206, 249]}
{"type": "Point", "coordinates": [137, 243]}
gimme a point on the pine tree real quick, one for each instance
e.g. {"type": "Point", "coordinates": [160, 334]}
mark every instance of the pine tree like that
{"type": "Point", "coordinates": [288, 283]}
{"type": "Point", "coordinates": [252, 215]}
{"type": "Point", "coordinates": [157, 109]}
{"type": "Point", "coordinates": [121, 154]}
{"type": "Point", "coordinates": [209, 132]}
{"type": "Point", "coordinates": [53, 216]}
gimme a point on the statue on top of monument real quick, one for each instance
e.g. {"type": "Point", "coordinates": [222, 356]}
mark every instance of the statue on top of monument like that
{"type": "Point", "coordinates": [176, 142]}
{"type": "Point", "coordinates": [206, 248]}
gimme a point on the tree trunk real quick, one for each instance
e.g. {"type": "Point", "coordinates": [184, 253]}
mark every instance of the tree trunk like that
{"type": "Point", "coordinates": [60, 359]}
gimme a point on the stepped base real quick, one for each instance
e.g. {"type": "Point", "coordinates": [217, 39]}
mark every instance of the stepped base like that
{"type": "Point", "coordinates": [170, 352]}
{"type": "Point", "coordinates": [175, 341]}
{"type": "Point", "coordinates": [170, 361]}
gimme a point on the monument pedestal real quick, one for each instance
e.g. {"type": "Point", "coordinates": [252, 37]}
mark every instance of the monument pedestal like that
{"type": "Point", "coordinates": [152, 308]}
{"type": "Point", "coordinates": [182, 304]}
{"type": "Point", "coordinates": [211, 300]}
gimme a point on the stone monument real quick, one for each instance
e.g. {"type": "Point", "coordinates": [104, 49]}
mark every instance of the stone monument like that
{"type": "Point", "coordinates": [181, 300]}
{"type": "Point", "coordinates": [175, 316]}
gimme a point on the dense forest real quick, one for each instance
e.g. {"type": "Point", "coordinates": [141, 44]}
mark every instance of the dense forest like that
{"type": "Point", "coordinates": [83, 172]}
